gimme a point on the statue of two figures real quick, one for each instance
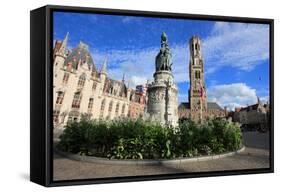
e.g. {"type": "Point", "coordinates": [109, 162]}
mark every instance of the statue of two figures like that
{"type": "Point", "coordinates": [164, 57]}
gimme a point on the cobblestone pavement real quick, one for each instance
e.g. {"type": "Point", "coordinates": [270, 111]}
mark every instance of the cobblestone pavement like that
{"type": "Point", "coordinates": [255, 155]}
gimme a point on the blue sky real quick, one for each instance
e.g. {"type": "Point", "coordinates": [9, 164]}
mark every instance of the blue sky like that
{"type": "Point", "coordinates": [236, 55]}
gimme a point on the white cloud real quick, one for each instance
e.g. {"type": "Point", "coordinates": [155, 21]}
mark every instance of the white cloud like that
{"type": "Point", "coordinates": [139, 65]}
{"type": "Point", "coordinates": [127, 19]}
{"type": "Point", "coordinates": [232, 95]}
{"type": "Point", "coordinates": [136, 80]}
{"type": "Point", "coordinates": [238, 45]}
{"type": "Point", "coordinates": [242, 46]}
{"type": "Point", "coordinates": [264, 99]}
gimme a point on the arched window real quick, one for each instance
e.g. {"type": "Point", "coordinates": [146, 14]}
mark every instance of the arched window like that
{"type": "Point", "coordinates": [110, 107]}
{"type": "Point", "coordinates": [81, 81]}
{"type": "Point", "coordinates": [117, 109]}
{"type": "Point", "coordinates": [102, 108]}
{"type": "Point", "coordinates": [196, 46]}
{"type": "Point", "coordinates": [94, 86]}
{"type": "Point", "coordinates": [197, 74]}
{"type": "Point", "coordinates": [123, 109]}
{"type": "Point", "coordinates": [90, 105]}
{"type": "Point", "coordinates": [76, 100]}
{"type": "Point", "coordinates": [65, 78]}
{"type": "Point", "coordinates": [111, 90]}
{"type": "Point", "coordinates": [56, 116]}
{"type": "Point", "coordinates": [60, 97]}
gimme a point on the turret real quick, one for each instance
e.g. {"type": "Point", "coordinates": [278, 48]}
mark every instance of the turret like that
{"type": "Point", "coordinates": [103, 71]}
{"type": "Point", "coordinates": [258, 100]}
{"type": "Point", "coordinates": [123, 78]}
{"type": "Point", "coordinates": [59, 54]}
{"type": "Point", "coordinates": [63, 47]}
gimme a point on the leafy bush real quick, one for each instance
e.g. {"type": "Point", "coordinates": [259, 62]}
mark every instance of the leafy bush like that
{"type": "Point", "coordinates": [139, 139]}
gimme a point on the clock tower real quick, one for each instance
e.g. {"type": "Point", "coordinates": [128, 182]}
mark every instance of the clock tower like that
{"type": "Point", "coordinates": [197, 90]}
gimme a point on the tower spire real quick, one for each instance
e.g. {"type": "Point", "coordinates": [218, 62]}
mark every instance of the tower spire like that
{"type": "Point", "coordinates": [104, 66]}
{"type": "Point", "coordinates": [64, 43]}
{"type": "Point", "coordinates": [123, 78]}
{"type": "Point", "coordinates": [258, 100]}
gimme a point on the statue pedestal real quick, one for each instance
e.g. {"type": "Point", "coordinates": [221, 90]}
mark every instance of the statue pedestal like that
{"type": "Point", "coordinates": [163, 75]}
{"type": "Point", "coordinates": [162, 99]}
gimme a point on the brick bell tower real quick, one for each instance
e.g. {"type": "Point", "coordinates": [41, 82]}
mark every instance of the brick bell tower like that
{"type": "Point", "coordinates": [197, 90]}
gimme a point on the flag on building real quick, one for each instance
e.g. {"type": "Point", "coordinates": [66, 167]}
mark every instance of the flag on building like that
{"type": "Point", "coordinates": [141, 90]}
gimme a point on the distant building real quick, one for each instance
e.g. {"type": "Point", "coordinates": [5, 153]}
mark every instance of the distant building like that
{"type": "Point", "coordinates": [253, 116]}
{"type": "Point", "coordinates": [213, 110]}
{"type": "Point", "coordinates": [79, 88]}
{"type": "Point", "coordinates": [138, 102]}
{"type": "Point", "coordinates": [198, 108]}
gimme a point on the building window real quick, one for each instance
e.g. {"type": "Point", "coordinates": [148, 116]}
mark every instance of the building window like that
{"type": "Point", "coordinates": [117, 109]}
{"type": "Point", "coordinates": [102, 108]}
{"type": "Point", "coordinates": [76, 100]}
{"type": "Point", "coordinates": [81, 81]}
{"type": "Point", "coordinates": [197, 74]}
{"type": "Point", "coordinates": [69, 66]}
{"type": "Point", "coordinates": [65, 78]}
{"type": "Point", "coordinates": [110, 107]}
{"type": "Point", "coordinates": [94, 86]}
{"type": "Point", "coordinates": [56, 116]}
{"type": "Point", "coordinates": [90, 105]}
{"type": "Point", "coordinates": [72, 118]}
{"type": "Point", "coordinates": [123, 110]}
{"type": "Point", "coordinates": [60, 97]}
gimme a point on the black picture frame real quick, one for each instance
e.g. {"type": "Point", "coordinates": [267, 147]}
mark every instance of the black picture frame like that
{"type": "Point", "coordinates": [41, 134]}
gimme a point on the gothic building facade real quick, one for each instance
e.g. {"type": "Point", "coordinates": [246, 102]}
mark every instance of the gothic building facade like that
{"type": "Point", "coordinates": [80, 88]}
{"type": "Point", "coordinates": [197, 107]}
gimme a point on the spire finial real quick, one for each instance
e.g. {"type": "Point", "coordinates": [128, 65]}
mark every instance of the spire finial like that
{"type": "Point", "coordinates": [104, 66]}
{"type": "Point", "coordinates": [258, 100]}
{"type": "Point", "coordinates": [65, 40]}
{"type": "Point", "coordinates": [123, 78]}
{"type": "Point", "coordinates": [63, 47]}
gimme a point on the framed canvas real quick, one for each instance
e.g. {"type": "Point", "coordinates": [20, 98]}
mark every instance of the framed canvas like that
{"type": "Point", "coordinates": [126, 95]}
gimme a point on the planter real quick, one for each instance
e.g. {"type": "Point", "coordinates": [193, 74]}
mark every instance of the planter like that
{"type": "Point", "coordinates": [178, 161]}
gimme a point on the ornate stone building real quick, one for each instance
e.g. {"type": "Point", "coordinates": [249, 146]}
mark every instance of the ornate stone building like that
{"type": "Point", "coordinates": [79, 88]}
{"type": "Point", "coordinates": [162, 92]}
{"type": "Point", "coordinates": [198, 108]}
{"type": "Point", "coordinates": [138, 102]}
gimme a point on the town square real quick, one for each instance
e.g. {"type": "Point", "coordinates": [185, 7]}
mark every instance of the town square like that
{"type": "Point", "coordinates": [158, 96]}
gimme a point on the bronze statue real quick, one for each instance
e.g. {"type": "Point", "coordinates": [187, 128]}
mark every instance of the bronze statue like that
{"type": "Point", "coordinates": [164, 57]}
